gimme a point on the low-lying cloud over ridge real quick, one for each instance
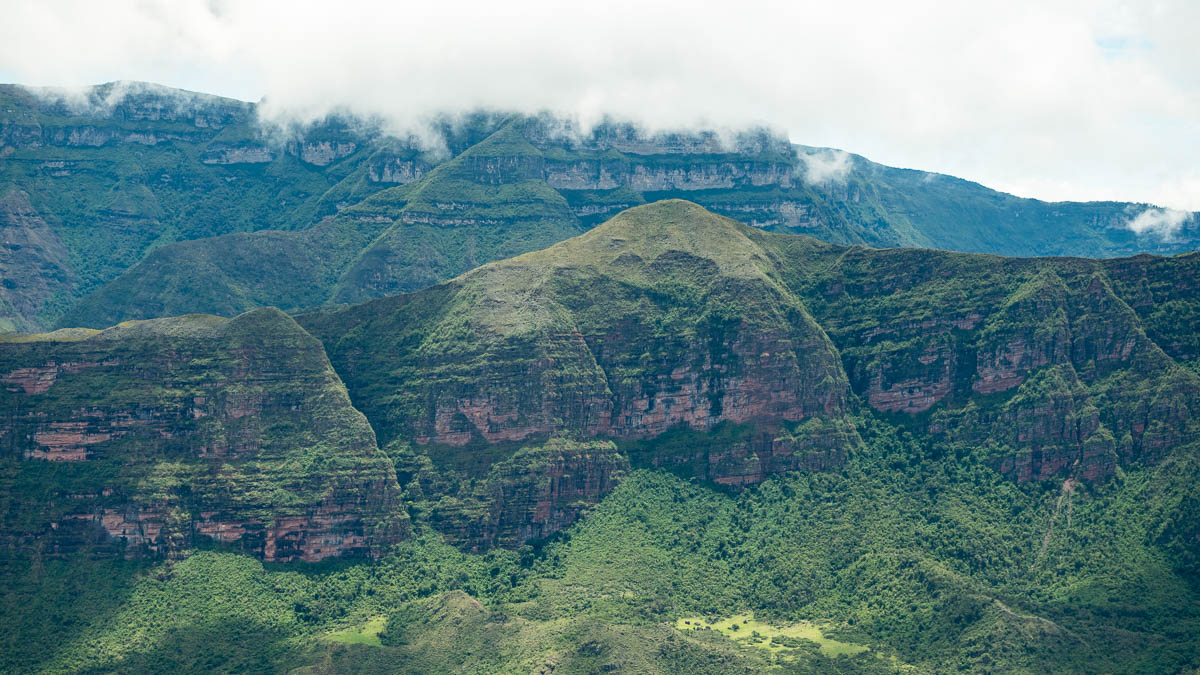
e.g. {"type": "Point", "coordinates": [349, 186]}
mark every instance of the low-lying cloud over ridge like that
{"type": "Point", "coordinates": [1164, 223]}
{"type": "Point", "coordinates": [1059, 99]}
{"type": "Point", "coordinates": [826, 165]}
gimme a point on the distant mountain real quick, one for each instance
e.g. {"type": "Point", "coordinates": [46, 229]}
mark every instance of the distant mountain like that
{"type": "Point", "coordinates": [131, 200]}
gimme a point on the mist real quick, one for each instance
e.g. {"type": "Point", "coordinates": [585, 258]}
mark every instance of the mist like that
{"type": "Point", "coordinates": [1056, 100]}
{"type": "Point", "coordinates": [1163, 223]}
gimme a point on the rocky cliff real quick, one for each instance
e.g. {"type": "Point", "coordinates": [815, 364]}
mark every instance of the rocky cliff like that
{"type": "Point", "coordinates": [1039, 363]}
{"type": "Point", "coordinates": [158, 436]}
{"type": "Point", "coordinates": [515, 396]}
{"type": "Point", "coordinates": [667, 316]}
{"type": "Point", "coordinates": [729, 354]}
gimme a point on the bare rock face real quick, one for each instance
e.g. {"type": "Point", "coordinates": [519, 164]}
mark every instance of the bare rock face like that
{"type": "Point", "coordinates": [645, 175]}
{"type": "Point", "coordinates": [323, 153]}
{"type": "Point", "coordinates": [397, 170]}
{"type": "Point", "coordinates": [152, 436]}
{"type": "Point", "coordinates": [246, 154]}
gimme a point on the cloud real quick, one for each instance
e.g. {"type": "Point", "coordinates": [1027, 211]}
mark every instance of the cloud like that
{"type": "Point", "coordinates": [1060, 99]}
{"type": "Point", "coordinates": [103, 100]}
{"type": "Point", "coordinates": [1164, 223]}
{"type": "Point", "coordinates": [826, 165]}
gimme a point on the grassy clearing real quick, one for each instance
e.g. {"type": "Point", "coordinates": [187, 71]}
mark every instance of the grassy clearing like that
{"type": "Point", "coordinates": [745, 629]}
{"type": "Point", "coordinates": [365, 634]}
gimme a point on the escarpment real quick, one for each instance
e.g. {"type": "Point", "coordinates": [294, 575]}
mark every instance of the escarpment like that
{"type": "Point", "coordinates": [514, 397]}
{"type": "Point", "coordinates": [340, 211]}
{"type": "Point", "coordinates": [729, 354]}
{"type": "Point", "coordinates": [666, 316]}
{"type": "Point", "coordinates": [1042, 364]}
{"type": "Point", "coordinates": [159, 436]}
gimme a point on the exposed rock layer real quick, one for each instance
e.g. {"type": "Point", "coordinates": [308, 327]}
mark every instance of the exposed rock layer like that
{"type": "Point", "coordinates": [165, 433]}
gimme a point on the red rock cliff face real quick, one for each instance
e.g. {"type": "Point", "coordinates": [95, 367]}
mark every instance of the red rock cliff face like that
{"type": "Point", "coordinates": [170, 431]}
{"type": "Point", "coordinates": [667, 318]}
{"type": "Point", "coordinates": [1041, 363]}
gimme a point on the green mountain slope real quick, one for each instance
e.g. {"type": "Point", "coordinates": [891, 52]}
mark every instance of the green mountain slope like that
{"type": "Point", "coordinates": [470, 210]}
{"type": "Point", "coordinates": [616, 449]}
{"type": "Point", "coordinates": [133, 167]}
{"type": "Point", "coordinates": [119, 170]}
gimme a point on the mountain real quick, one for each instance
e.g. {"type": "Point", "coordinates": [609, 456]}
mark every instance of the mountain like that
{"type": "Point", "coordinates": [134, 201]}
{"type": "Point", "coordinates": [667, 317]}
{"type": "Point", "coordinates": [670, 318]}
{"type": "Point", "coordinates": [671, 443]}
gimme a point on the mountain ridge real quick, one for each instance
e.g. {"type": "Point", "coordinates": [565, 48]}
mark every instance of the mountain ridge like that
{"type": "Point", "coordinates": [923, 459]}
{"type": "Point", "coordinates": [118, 187]}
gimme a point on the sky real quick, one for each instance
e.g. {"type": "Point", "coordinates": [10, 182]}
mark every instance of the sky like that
{"type": "Point", "coordinates": [1056, 99]}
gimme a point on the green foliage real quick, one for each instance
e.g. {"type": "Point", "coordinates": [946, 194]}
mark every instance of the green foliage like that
{"type": "Point", "coordinates": [921, 557]}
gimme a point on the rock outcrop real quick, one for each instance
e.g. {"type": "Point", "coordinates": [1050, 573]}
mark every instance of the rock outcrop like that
{"type": "Point", "coordinates": [1039, 363]}
{"type": "Point", "coordinates": [153, 437]}
{"type": "Point", "coordinates": [665, 317]}
{"type": "Point", "coordinates": [517, 395]}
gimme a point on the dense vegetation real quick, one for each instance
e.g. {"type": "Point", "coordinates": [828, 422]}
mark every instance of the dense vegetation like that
{"type": "Point", "coordinates": [1040, 516]}
{"type": "Point", "coordinates": [917, 551]}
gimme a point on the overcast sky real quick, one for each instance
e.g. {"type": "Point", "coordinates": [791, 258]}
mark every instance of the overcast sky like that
{"type": "Point", "coordinates": [1054, 99]}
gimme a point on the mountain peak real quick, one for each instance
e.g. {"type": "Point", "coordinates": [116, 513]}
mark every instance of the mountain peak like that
{"type": "Point", "coordinates": [670, 215]}
{"type": "Point", "coordinates": [646, 233]}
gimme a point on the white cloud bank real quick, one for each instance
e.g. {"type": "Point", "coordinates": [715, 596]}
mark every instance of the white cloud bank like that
{"type": "Point", "coordinates": [1060, 99]}
{"type": "Point", "coordinates": [826, 165]}
{"type": "Point", "coordinates": [1164, 223]}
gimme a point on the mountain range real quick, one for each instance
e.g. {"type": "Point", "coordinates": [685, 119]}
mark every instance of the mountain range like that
{"type": "Point", "coordinates": [134, 201]}
{"type": "Point", "coordinates": [672, 442]}
{"type": "Point", "coordinates": [508, 395]}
